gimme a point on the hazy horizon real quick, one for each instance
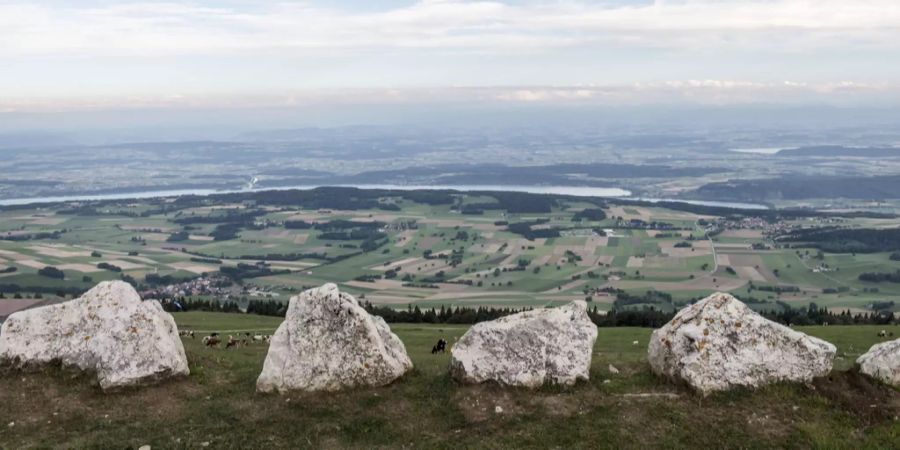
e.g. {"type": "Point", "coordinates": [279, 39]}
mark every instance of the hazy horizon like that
{"type": "Point", "coordinates": [109, 126]}
{"type": "Point", "coordinates": [99, 63]}
{"type": "Point", "coordinates": [433, 92]}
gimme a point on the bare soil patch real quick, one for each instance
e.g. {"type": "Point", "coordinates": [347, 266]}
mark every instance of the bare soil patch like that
{"type": "Point", "coordinates": [48, 220]}
{"type": "Point", "coordinates": [395, 264]}
{"type": "Point", "coordinates": [138, 227]}
{"type": "Point", "coordinates": [377, 284]}
{"type": "Point", "coordinates": [701, 283]}
{"type": "Point", "coordinates": [750, 273]}
{"type": "Point", "coordinates": [732, 246]}
{"type": "Point", "coordinates": [10, 254]}
{"type": "Point", "coordinates": [635, 261]}
{"type": "Point", "coordinates": [141, 259]}
{"type": "Point", "coordinates": [31, 263]}
{"type": "Point", "coordinates": [742, 259]}
{"type": "Point", "coordinates": [83, 268]}
{"type": "Point", "coordinates": [723, 260]}
{"type": "Point", "coordinates": [743, 233]}
{"type": "Point", "coordinates": [427, 243]}
{"type": "Point", "coordinates": [155, 237]}
{"type": "Point", "coordinates": [59, 252]}
{"type": "Point", "coordinates": [193, 267]}
{"type": "Point", "coordinates": [276, 233]}
{"type": "Point", "coordinates": [11, 305]}
{"type": "Point", "coordinates": [126, 265]}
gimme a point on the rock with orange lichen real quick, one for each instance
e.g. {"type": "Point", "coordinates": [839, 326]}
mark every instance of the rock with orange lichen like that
{"type": "Point", "coordinates": [719, 343]}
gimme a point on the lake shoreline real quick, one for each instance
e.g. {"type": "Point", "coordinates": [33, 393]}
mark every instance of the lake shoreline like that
{"type": "Point", "coordinates": [576, 191]}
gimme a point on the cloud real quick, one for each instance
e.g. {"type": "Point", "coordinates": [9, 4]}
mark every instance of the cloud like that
{"type": "Point", "coordinates": [686, 92]}
{"type": "Point", "coordinates": [99, 54]}
{"type": "Point", "coordinates": [167, 28]}
{"type": "Point", "coordinates": [710, 92]}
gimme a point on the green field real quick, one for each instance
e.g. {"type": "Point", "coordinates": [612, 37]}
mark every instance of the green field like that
{"type": "Point", "coordinates": [426, 409]}
{"type": "Point", "coordinates": [433, 254]}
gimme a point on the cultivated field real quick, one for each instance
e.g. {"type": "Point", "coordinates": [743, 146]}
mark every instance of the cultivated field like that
{"type": "Point", "coordinates": [216, 406]}
{"type": "Point", "coordinates": [432, 254]}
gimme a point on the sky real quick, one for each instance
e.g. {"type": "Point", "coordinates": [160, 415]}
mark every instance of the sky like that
{"type": "Point", "coordinates": [91, 55]}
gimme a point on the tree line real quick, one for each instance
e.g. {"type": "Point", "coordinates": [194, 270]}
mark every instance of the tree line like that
{"type": "Point", "coordinates": [647, 316]}
{"type": "Point", "coordinates": [878, 277]}
{"type": "Point", "coordinates": [847, 240]}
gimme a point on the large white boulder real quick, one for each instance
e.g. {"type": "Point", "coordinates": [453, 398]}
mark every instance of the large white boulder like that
{"type": "Point", "coordinates": [719, 343]}
{"type": "Point", "coordinates": [882, 361]}
{"type": "Point", "coordinates": [109, 331]}
{"type": "Point", "coordinates": [328, 342]}
{"type": "Point", "coordinates": [528, 349]}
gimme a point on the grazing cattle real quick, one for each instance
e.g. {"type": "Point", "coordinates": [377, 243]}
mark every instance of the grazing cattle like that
{"type": "Point", "coordinates": [882, 333]}
{"type": "Point", "coordinates": [231, 342]}
{"type": "Point", "coordinates": [211, 340]}
{"type": "Point", "coordinates": [441, 346]}
{"type": "Point", "coordinates": [635, 343]}
{"type": "Point", "coordinates": [258, 338]}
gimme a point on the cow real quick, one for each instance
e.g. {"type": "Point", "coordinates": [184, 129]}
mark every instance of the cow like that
{"type": "Point", "coordinates": [212, 340]}
{"type": "Point", "coordinates": [441, 346]}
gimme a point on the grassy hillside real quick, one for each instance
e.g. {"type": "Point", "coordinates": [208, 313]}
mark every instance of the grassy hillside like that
{"type": "Point", "coordinates": [425, 409]}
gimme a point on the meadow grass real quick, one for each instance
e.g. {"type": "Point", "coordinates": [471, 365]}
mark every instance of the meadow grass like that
{"type": "Point", "coordinates": [426, 409]}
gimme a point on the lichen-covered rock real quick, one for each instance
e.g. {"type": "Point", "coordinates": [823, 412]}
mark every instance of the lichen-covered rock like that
{"type": "Point", "coordinates": [328, 342]}
{"type": "Point", "coordinates": [108, 331]}
{"type": "Point", "coordinates": [719, 343]}
{"type": "Point", "coordinates": [882, 361]}
{"type": "Point", "coordinates": [528, 349]}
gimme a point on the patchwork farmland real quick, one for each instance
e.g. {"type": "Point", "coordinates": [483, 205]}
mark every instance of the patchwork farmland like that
{"type": "Point", "coordinates": [432, 249]}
